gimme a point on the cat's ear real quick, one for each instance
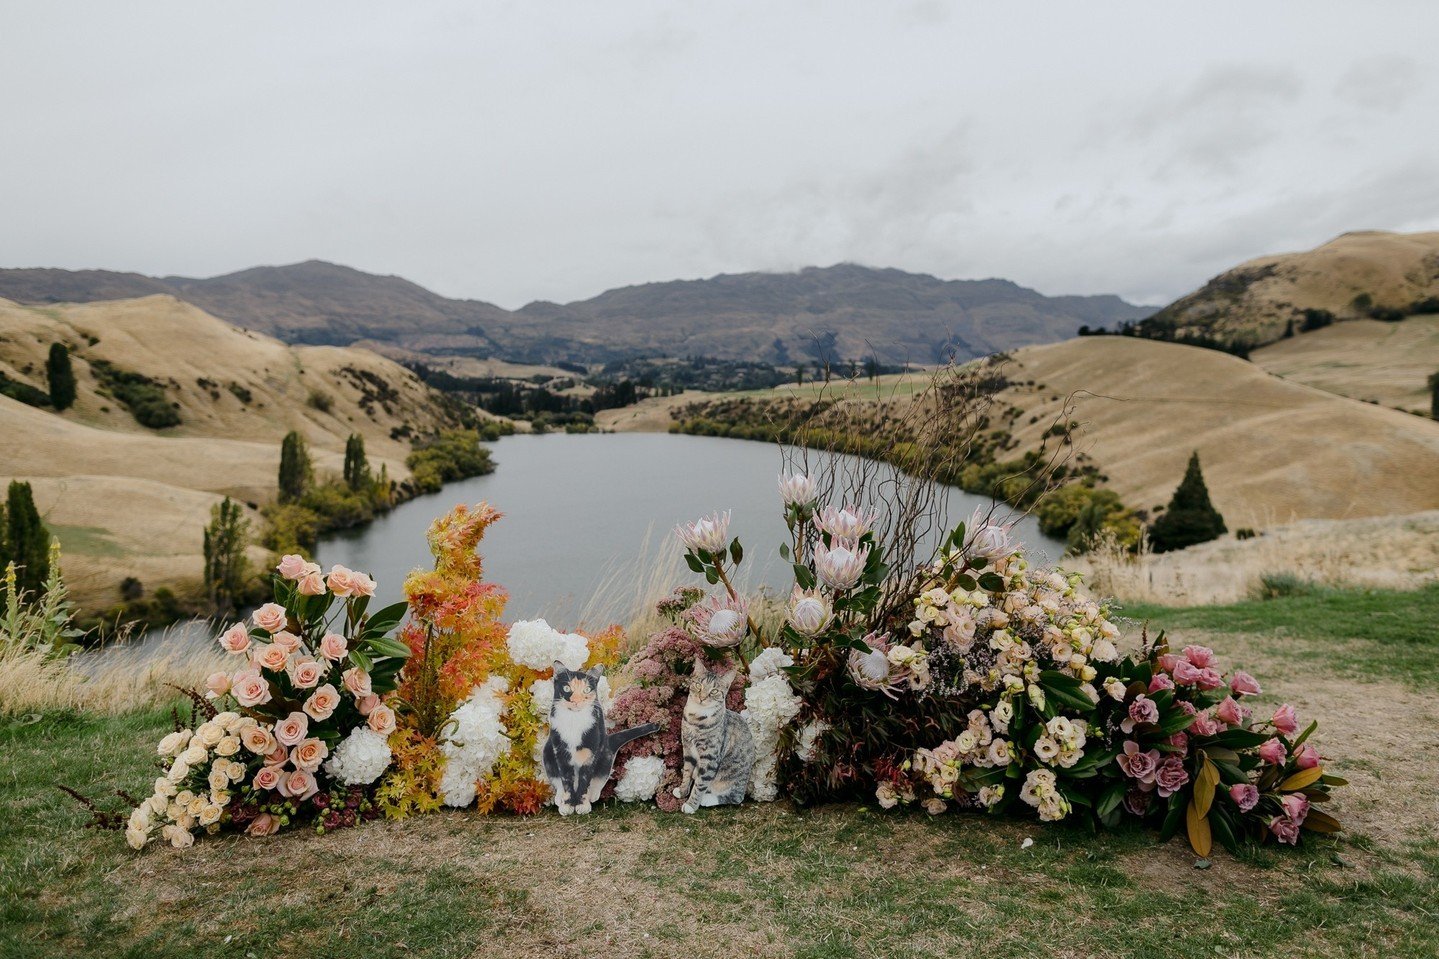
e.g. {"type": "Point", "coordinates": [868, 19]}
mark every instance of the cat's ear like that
{"type": "Point", "coordinates": [727, 680]}
{"type": "Point", "coordinates": [559, 668]}
{"type": "Point", "coordinates": [597, 671]}
{"type": "Point", "coordinates": [700, 666]}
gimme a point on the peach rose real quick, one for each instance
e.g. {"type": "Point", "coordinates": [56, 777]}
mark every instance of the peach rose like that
{"type": "Point", "coordinates": [263, 825]}
{"type": "Point", "coordinates": [286, 640]}
{"type": "Point", "coordinates": [292, 729]}
{"type": "Point", "coordinates": [346, 582]}
{"type": "Point", "coordinates": [367, 704]}
{"type": "Point", "coordinates": [306, 673]}
{"type": "Point", "coordinates": [271, 656]}
{"type": "Point", "coordinates": [270, 617]}
{"type": "Point", "coordinates": [334, 647]}
{"type": "Point", "coordinates": [382, 720]}
{"type": "Point", "coordinates": [309, 754]}
{"type": "Point", "coordinates": [322, 703]}
{"type": "Point", "coordinates": [236, 639]}
{"type": "Point", "coordinates": [293, 566]}
{"type": "Point", "coordinates": [257, 739]}
{"type": "Point", "coordinates": [278, 756]}
{"type": "Point", "coordinates": [250, 688]}
{"type": "Point", "coordinates": [299, 784]}
{"type": "Point", "coordinates": [357, 681]}
{"type": "Point", "coordinates": [311, 584]}
{"type": "Point", "coordinates": [218, 683]}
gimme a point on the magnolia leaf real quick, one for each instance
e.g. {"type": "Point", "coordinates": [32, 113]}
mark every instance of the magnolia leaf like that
{"type": "Point", "coordinates": [1329, 780]}
{"type": "Point", "coordinates": [1308, 731]}
{"type": "Point", "coordinates": [1321, 822]}
{"type": "Point", "coordinates": [1205, 784]}
{"type": "Point", "coordinates": [1302, 778]}
{"type": "Point", "coordinates": [1201, 838]}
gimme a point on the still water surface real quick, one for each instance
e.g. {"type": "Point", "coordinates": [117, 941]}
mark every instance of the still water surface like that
{"type": "Point", "coordinates": [588, 519]}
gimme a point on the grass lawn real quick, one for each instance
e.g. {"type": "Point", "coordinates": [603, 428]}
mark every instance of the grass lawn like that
{"type": "Point", "coordinates": [771, 879]}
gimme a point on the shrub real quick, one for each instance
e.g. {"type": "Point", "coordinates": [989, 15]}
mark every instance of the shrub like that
{"type": "Point", "coordinates": [1190, 518]}
{"type": "Point", "coordinates": [1427, 306]}
{"type": "Point", "coordinates": [23, 392]}
{"type": "Point", "coordinates": [1277, 585]}
{"type": "Point", "coordinates": [290, 528]}
{"type": "Point", "coordinates": [320, 401]}
{"type": "Point", "coordinates": [453, 455]}
{"type": "Point", "coordinates": [1387, 314]}
{"type": "Point", "coordinates": [143, 397]}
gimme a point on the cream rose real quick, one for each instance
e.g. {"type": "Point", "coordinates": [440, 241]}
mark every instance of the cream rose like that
{"type": "Point", "coordinates": [286, 640]}
{"type": "Point", "coordinates": [270, 617]}
{"type": "Point", "coordinates": [381, 720]}
{"type": "Point", "coordinates": [228, 746]}
{"type": "Point", "coordinates": [267, 778]}
{"type": "Point", "coordinates": [305, 673]}
{"type": "Point", "coordinates": [271, 656]}
{"type": "Point", "coordinates": [292, 729]}
{"type": "Point", "coordinates": [309, 754]}
{"type": "Point", "coordinates": [347, 582]}
{"type": "Point", "coordinates": [174, 743]}
{"type": "Point", "coordinates": [311, 584]}
{"type": "Point", "coordinates": [257, 739]}
{"type": "Point", "coordinates": [250, 688]}
{"type": "Point", "coordinates": [357, 681]}
{"type": "Point", "coordinates": [334, 647]}
{"type": "Point", "coordinates": [236, 639]}
{"type": "Point", "coordinates": [179, 836]}
{"type": "Point", "coordinates": [209, 734]}
{"type": "Point", "coordinates": [299, 784]}
{"type": "Point", "coordinates": [322, 703]}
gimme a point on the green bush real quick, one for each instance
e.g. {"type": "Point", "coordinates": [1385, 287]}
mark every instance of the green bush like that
{"type": "Point", "coordinates": [453, 455]}
{"type": "Point", "coordinates": [23, 392]}
{"type": "Point", "coordinates": [1277, 585]}
{"type": "Point", "coordinates": [290, 528]}
{"type": "Point", "coordinates": [1190, 517]}
{"type": "Point", "coordinates": [143, 397]}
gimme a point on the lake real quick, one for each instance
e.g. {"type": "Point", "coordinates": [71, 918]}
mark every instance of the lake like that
{"type": "Point", "coordinates": [588, 517]}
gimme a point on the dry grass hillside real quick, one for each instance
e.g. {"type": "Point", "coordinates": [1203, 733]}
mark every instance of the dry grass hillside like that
{"type": "Point", "coordinates": [1348, 277]}
{"type": "Point", "coordinates": [1385, 363]}
{"type": "Point", "coordinates": [126, 500]}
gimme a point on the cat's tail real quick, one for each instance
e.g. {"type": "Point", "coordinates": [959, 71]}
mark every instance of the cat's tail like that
{"type": "Point", "coordinates": [630, 735]}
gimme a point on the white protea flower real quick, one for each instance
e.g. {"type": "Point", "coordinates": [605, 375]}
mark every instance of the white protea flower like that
{"type": "Point", "coordinates": [797, 490]}
{"type": "Point", "coordinates": [987, 540]}
{"type": "Point", "coordinates": [809, 612]}
{"type": "Point", "coordinates": [840, 566]}
{"type": "Point", "coordinates": [709, 534]}
{"type": "Point", "coordinates": [720, 621]}
{"type": "Point", "coordinates": [845, 524]}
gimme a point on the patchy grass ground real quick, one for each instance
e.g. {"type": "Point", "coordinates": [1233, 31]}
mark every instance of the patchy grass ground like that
{"type": "Point", "coordinates": [773, 880]}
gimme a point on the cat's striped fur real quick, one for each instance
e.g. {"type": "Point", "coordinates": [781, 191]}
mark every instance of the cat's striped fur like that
{"type": "Point", "coordinates": [718, 746]}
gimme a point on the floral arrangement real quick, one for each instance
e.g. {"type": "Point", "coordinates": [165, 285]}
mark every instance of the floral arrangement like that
{"type": "Point", "coordinates": [304, 734]}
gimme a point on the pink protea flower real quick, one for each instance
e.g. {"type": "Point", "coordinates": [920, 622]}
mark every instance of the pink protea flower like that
{"type": "Point", "coordinates": [1285, 720]}
{"type": "Point", "coordinates": [709, 534]}
{"type": "Point", "coordinates": [796, 490]}
{"type": "Point", "coordinates": [719, 621]}
{"type": "Point", "coordinates": [840, 566]}
{"type": "Point", "coordinates": [809, 612]}
{"type": "Point", "coordinates": [845, 524]}
{"type": "Point", "coordinates": [1245, 796]}
{"type": "Point", "coordinates": [987, 540]}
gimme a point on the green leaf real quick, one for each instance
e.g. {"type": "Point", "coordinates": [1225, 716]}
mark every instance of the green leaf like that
{"type": "Point", "coordinates": [1223, 830]}
{"type": "Point", "coordinates": [387, 618]}
{"type": "Point", "coordinates": [361, 660]}
{"type": "Point", "coordinates": [387, 647]}
{"type": "Point", "coordinates": [784, 551]}
{"type": "Point", "coordinates": [693, 562]}
{"type": "Point", "coordinates": [736, 551]}
{"type": "Point", "coordinates": [804, 576]}
{"type": "Point", "coordinates": [966, 582]}
{"type": "Point", "coordinates": [992, 582]}
{"type": "Point", "coordinates": [1174, 817]}
{"type": "Point", "coordinates": [1110, 799]}
{"type": "Point", "coordinates": [1239, 739]}
{"type": "Point", "coordinates": [1309, 731]}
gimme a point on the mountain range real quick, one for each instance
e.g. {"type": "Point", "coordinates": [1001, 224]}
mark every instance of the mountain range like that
{"type": "Point", "coordinates": [845, 311]}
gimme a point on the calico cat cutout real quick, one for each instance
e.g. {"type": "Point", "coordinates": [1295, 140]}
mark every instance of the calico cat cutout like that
{"type": "Point", "coordinates": [579, 753]}
{"type": "Point", "coordinates": [718, 746]}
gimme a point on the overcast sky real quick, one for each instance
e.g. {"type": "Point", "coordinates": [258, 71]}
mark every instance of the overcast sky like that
{"type": "Point", "coordinates": [522, 151]}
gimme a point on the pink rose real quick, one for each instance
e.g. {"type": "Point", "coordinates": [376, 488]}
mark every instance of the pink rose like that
{"type": "Point", "coordinates": [305, 673]}
{"type": "Point", "coordinates": [299, 784]}
{"type": "Point", "coordinates": [1205, 725]}
{"type": "Point", "coordinates": [250, 688]}
{"type": "Point", "coordinates": [236, 639]}
{"type": "Point", "coordinates": [1273, 752]}
{"type": "Point", "coordinates": [268, 777]}
{"type": "Point", "coordinates": [357, 681]}
{"type": "Point", "coordinates": [367, 704]}
{"type": "Point", "coordinates": [1285, 720]}
{"type": "Point", "coordinates": [1244, 684]}
{"type": "Point", "coordinates": [1245, 796]}
{"type": "Point", "coordinates": [1168, 661]}
{"type": "Point", "coordinates": [1209, 678]}
{"type": "Point", "coordinates": [1180, 741]}
{"type": "Point", "coordinates": [1296, 806]}
{"type": "Point", "coordinates": [311, 584]}
{"type": "Point", "coordinates": [258, 739]}
{"type": "Point", "coordinates": [322, 703]}
{"type": "Point", "coordinates": [264, 824]}
{"type": "Point", "coordinates": [1171, 776]}
{"type": "Point", "coordinates": [1307, 757]}
{"type": "Point", "coordinates": [271, 656]}
{"type": "Point", "coordinates": [218, 683]}
{"type": "Point", "coordinates": [270, 617]}
{"type": "Point", "coordinates": [278, 756]}
{"type": "Point", "coordinates": [1160, 681]}
{"type": "Point", "coordinates": [309, 754]}
{"type": "Point", "coordinates": [334, 647]}
{"type": "Point", "coordinates": [1200, 656]}
{"type": "Point", "coordinates": [286, 640]}
{"type": "Point", "coordinates": [1229, 711]}
{"type": "Point", "coordinates": [1186, 672]}
{"type": "Point", "coordinates": [1285, 830]}
{"type": "Point", "coordinates": [381, 720]}
{"type": "Point", "coordinates": [1143, 710]}
{"type": "Point", "coordinates": [1188, 707]}
{"type": "Point", "coordinates": [346, 582]}
{"type": "Point", "coordinates": [1136, 764]}
{"type": "Point", "coordinates": [292, 729]}
{"type": "Point", "coordinates": [293, 567]}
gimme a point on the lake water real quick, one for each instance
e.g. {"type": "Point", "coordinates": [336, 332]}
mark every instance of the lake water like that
{"type": "Point", "coordinates": [588, 520]}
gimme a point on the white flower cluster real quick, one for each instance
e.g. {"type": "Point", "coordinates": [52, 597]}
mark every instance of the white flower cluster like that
{"type": "Point", "coordinates": [197, 785]}
{"type": "Point", "coordinates": [538, 645]}
{"type": "Point", "coordinates": [1063, 742]}
{"type": "Point", "coordinates": [360, 758]}
{"type": "Point", "coordinates": [473, 740]}
{"type": "Point", "coordinates": [806, 744]}
{"type": "Point", "coordinates": [1041, 791]}
{"type": "Point", "coordinates": [771, 704]}
{"type": "Point", "coordinates": [980, 744]}
{"type": "Point", "coordinates": [641, 779]}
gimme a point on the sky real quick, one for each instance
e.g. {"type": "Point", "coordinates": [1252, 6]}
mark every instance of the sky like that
{"type": "Point", "coordinates": [521, 151]}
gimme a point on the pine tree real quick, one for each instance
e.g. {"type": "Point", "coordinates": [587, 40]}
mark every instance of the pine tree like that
{"type": "Point", "coordinates": [27, 540]}
{"type": "Point", "coordinates": [61, 376]}
{"type": "Point", "coordinates": [226, 564]}
{"type": "Point", "coordinates": [1434, 395]}
{"type": "Point", "coordinates": [1190, 517]}
{"type": "Point", "coordinates": [295, 474]}
{"type": "Point", "coordinates": [357, 468]}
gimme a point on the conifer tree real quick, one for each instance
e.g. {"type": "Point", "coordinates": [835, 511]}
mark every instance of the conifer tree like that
{"type": "Point", "coordinates": [226, 564]}
{"type": "Point", "coordinates": [61, 376]}
{"type": "Point", "coordinates": [27, 541]}
{"type": "Point", "coordinates": [357, 468]}
{"type": "Point", "coordinates": [1434, 395]}
{"type": "Point", "coordinates": [1190, 517]}
{"type": "Point", "coordinates": [295, 474]}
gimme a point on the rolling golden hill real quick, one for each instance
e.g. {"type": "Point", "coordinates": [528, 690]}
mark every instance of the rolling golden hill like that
{"type": "Point", "coordinates": [1378, 362]}
{"type": "Point", "coordinates": [126, 500]}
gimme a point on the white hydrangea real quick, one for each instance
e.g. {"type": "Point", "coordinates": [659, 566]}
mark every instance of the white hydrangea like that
{"type": "Point", "coordinates": [768, 663]}
{"type": "Point", "coordinates": [538, 645]}
{"type": "Point", "coordinates": [807, 743]}
{"type": "Point", "coordinates": [770, 705]}
{"type": "Point", "coordinates": [360, 759]}
{"type": "Point", "coordinates": [641, 779]}
{"type": "Point", "coordinates": [472, 741]}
